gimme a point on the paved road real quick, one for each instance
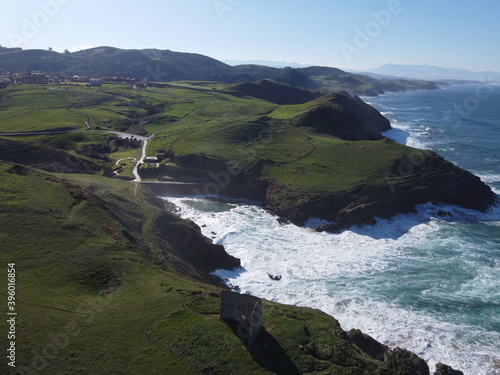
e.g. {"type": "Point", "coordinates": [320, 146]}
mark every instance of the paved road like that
{"type": "Point", "coordinates": [150, 137]}
{"type": "Point", "coordinates": [124, 135]}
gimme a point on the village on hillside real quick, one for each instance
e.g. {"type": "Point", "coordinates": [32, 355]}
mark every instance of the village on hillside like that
{"type": "Point", "coordinates": [38, 77]}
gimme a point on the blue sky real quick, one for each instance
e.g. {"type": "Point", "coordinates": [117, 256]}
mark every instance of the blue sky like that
{"type": "Point", "coordinates": [349, 34]}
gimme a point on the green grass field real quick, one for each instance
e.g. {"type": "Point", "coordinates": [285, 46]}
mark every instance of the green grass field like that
{"type": "Point", "coordinates": [196, 117]}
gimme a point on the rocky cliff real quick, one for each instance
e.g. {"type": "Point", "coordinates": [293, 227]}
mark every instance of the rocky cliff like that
{"type": "Point", "coordinates": [434, 180]}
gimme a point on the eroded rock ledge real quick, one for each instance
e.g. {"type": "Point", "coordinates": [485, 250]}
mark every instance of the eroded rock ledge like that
{"type": "Point", "coordinates": [435, 180]}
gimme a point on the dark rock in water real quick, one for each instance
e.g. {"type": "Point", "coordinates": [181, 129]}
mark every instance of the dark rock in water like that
{"type": "Point", "coordinates": [367, 344]}
{"type": "Point", "coordinates": [406, 362]}
{"type": "Point", "coordinates": [283, 220]}
{"type": "Point", "coordinates": [442, 213]}
{"type": "Point", "coordinates": [274, 277]}
{"type": "Point", "coordinates": [442, 369]}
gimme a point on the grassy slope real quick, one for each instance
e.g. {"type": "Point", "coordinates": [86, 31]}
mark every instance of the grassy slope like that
{"type": "Point", "coordinates": [304, 160]}
{"type": "Point", "coordinates": [241, 130]}
{"type": "Point", "coordinates": [113, 310]}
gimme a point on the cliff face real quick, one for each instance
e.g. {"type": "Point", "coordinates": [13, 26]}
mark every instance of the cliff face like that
{"type": "Point", "coordinates": [184, 239]}
{"type": "Point", "coordinates": [165, 239]}
{"type": "Point", "coordinates": [435, 180]}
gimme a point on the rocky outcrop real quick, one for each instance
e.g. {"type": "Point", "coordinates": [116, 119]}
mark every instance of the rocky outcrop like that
{"type": "Point", "coordinates": [403, 361]}
{"type": "Point", "coordinates": [406, 362]}
{"type": "Point", "coordinates": [442, 369]}
{"type": "Point", "coordinates": [368, 344]}
{"type": "Point", "coordinates": [346, 117]}
{"type": "Point", "coordinates": [435, 180]}
{"type": "Point", "coordinates": [184, 239]}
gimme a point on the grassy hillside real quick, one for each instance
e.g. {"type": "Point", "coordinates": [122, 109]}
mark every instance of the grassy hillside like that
{"type": "Point", "coordinates": [98, 294]}
{"type": "Point", "coordinates": [328, 145]}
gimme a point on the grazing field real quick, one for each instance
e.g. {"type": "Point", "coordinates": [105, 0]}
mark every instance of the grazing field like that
{"type": "Point", "coordinates": [205, 118]}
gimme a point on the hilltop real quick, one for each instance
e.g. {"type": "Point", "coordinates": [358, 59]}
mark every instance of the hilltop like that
{"type": "Point", "coordinates": [272, 92]}
{"type": "Point", "coordinates": [168, 66]}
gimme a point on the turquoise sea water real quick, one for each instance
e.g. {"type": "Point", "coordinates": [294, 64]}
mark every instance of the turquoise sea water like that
{"type": "Point", "coordinates": [419, 281]}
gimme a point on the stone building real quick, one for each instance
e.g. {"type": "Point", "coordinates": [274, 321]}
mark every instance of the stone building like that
{"type": "Point", "coordinates": [245, 310]}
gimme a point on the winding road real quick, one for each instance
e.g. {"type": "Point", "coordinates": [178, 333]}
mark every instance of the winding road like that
{"type": "Point", "coordinates": [150, 137]}
{"type": "Point", "coordinates": [141, 138]}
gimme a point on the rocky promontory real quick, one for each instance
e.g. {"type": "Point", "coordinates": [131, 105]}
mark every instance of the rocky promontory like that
{"type": "Point", "coordinates": [434, 180]}
{"type": "Point", "coordinates": [335, 165]}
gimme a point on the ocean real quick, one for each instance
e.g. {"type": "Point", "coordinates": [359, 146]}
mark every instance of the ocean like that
{"type": "Point", "coordinates": [426, 283]}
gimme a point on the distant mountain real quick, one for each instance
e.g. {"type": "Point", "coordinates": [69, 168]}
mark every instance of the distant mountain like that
{"type": "Point", "coordinates": [166, 65]}
{"type": "Point", "coordinates": [273, 64]}
{"type": "Point", "coordinates": [431, 72]}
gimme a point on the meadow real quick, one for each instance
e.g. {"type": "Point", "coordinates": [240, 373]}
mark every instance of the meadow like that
{"type": "Point", "coordinates": [242, 130]}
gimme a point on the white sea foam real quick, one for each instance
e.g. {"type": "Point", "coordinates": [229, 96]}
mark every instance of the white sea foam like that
{"type": "Point", "coordinates": [365, 277]}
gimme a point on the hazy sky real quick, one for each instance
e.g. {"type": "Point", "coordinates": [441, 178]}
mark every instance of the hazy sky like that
{"type": "Point", "coordinates": [355, 34]}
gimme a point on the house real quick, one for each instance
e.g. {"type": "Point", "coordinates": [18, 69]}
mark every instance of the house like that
{"type": "Point", "coordinates": [161, 155]}
{"type": "Point", "coordinates": [151, 159]}
{"type": "Point", "coordinates": [79, 79]}
{"type": "Point", "coordinates": [94, 83]}
{"type": "Point", "coordinates": [34, 78]}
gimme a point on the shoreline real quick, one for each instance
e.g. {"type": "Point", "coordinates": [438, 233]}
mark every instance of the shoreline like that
{"type": "Point", "coordinates": [397, 228]}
